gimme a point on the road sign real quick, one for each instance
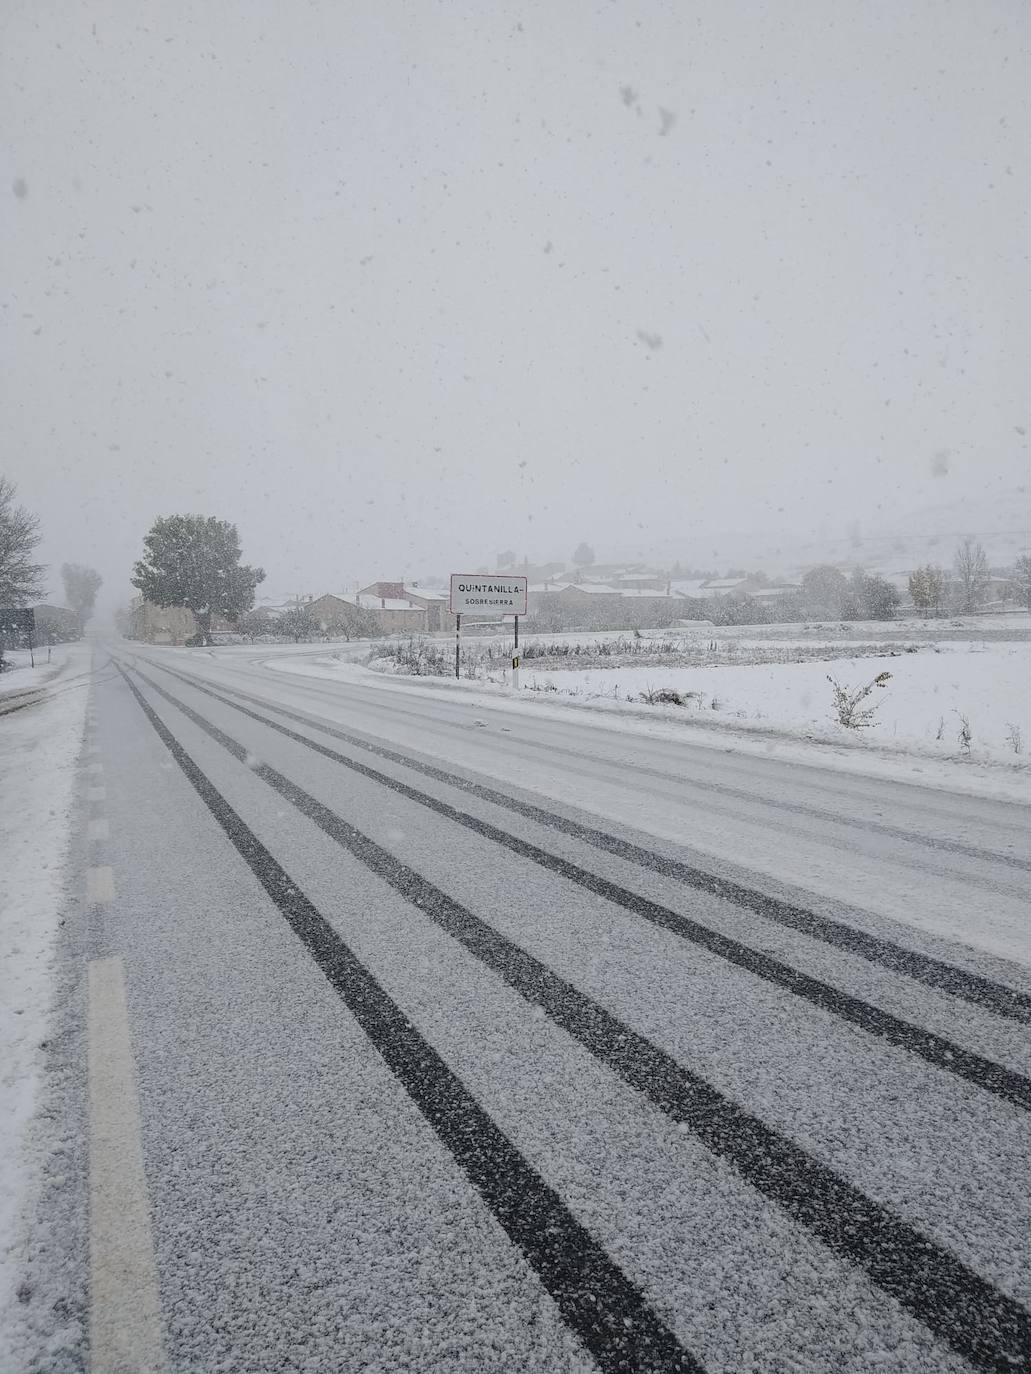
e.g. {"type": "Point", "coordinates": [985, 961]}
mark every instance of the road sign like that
{"type": "Point", "coordinates": [487, 594]}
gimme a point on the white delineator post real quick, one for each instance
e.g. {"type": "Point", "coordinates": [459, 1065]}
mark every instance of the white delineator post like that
{"type": "Point", "coordinates": [516, 658]}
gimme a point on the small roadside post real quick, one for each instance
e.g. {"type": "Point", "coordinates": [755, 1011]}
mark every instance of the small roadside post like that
{"type": "Point", "coordinates": [487, 594]}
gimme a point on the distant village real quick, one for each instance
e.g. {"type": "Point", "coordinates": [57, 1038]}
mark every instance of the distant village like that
{"type": "Point", "coordinates": [596, 596]}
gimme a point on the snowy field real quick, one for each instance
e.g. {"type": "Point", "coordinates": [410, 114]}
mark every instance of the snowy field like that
{"type": "Point", "coordinates": [39, 749]}
{"type": "Point", "coordinates": [922, 707]}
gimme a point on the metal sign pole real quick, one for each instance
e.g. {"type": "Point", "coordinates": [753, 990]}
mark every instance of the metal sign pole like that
{"type": "Point", "coordinates": [458, 643]}
{"type": "Point", "coordinates": [515, 658]}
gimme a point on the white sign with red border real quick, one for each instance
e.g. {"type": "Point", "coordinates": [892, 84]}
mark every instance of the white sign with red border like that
{"type": "Point", "coordinates": [487, 594]}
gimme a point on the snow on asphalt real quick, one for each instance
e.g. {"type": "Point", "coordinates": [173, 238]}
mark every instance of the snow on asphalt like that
{"type": "Point", "coordinates": [39, 749]}
{"type": "Point", "coordinates": [933, 1148]}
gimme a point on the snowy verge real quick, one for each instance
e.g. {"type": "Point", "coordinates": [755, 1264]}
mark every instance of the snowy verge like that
{"type": "Point", "coordinates": [20, 675]}
{"type": "Point", "coordinates": [801, 732]}
{"type": "Point", "coordinates": [39, 751]}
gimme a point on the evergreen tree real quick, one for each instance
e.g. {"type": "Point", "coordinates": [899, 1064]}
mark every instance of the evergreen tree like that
{"type": "Point", "coordinates": [80, 588]}
{"type": "Point", "coordinates": [194, 561]}
{"type": "Point", "coordinates": [824, 591]}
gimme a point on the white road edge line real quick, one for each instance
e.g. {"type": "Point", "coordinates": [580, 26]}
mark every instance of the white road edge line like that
{"type": "Point", "coordinates": [125, 1310]}
{"type": "Point", "coordinates": [100, 884]}
{"type": "Point", "coordinates": [99, 829]}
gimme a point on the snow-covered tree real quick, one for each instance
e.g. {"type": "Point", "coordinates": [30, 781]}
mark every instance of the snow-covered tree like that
{"type": "Point", "coordinates": [298, 623]}
{"type": "Point", "coordinates": [870, 597]}
{"type": "Point", "coordinates": [927, 588]}
{"type": "Point", "coordinates": [21, 580]}
{"type": "Point", "coordinates": [824, 591]}
{"type": "Point", "coordinates": [1022, 577]}
{"type": "Point", "coordinates": [256, 624]}
{"type": "Point", "coordinates": [971, 565]}
{"type": "Point", "coordinates": [352, 622]}
{"type": "Point", "coordinates": [80, 588]}
{"type": "Point", "coordinates": [194, 561]}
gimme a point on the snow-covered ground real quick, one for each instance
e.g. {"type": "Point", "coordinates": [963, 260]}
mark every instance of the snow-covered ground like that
{"type": "Point", "coordinates": [921, 708]}
{"type": "Point", "coordinates": [22, 675]}
{"type": "Point", "coordinates": [39, 749]}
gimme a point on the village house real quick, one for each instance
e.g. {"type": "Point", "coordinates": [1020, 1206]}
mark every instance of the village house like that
{"type": "Point", "coordinates": [152, 624]}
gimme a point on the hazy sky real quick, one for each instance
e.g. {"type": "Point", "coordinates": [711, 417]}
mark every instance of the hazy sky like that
{"type": "Point", "coordinates": [398, 285]}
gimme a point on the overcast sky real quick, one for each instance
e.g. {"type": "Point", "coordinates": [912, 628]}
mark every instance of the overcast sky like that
{"type": "Point", "coordinates": [396, 286]}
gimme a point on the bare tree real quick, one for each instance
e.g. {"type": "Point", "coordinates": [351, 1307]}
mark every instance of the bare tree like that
{"type": "Point", "coordinates": [21, 580]}
{"type": "Point", "coordinates": [971, 565]}
{"type": "Point", "coordinates": [297, 623]}
{"type": "Point", "coordinates": [354, 623]}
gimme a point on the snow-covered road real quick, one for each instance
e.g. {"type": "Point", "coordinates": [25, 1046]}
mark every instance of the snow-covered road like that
{"type": "Point", "coordinates": [472, 1039]}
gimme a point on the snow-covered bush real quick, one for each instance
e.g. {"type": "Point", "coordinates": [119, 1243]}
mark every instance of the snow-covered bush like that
{"type": "Point", "coordinates": [849, 710]}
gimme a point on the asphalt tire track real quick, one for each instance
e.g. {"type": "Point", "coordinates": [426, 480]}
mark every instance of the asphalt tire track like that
{"type": "Point", "coordinates": [598, 1302]}
{"type": "Point", "coordinates": [936, 973]}
{"type": "Point", "coordinates": [943, 1054]}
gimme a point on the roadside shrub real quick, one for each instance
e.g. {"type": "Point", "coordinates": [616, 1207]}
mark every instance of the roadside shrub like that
{"type": "Point", "coordinates": [965, 734]}
{"type": "Point", "coordinates": [849, 710]}
{"type": "Point", "coordinates": [663, 696]}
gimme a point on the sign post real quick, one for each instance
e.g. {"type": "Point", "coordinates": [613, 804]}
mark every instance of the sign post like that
{"type": "Point", "coordinates": [488, 594]}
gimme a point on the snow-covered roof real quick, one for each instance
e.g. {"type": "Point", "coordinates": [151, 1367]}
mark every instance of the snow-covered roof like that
{"type": "Point", "coordinates": [647, 594]}
{"type": "Point", "coordinates": [428, 593]}
{"type": "Point", "coordinates": [366, 602]}
{"type": "Point", "coordinates": [725, 584]}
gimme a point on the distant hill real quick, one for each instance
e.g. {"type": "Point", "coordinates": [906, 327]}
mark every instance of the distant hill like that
{"type": "Point", "coordinates": [1001, 521]}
